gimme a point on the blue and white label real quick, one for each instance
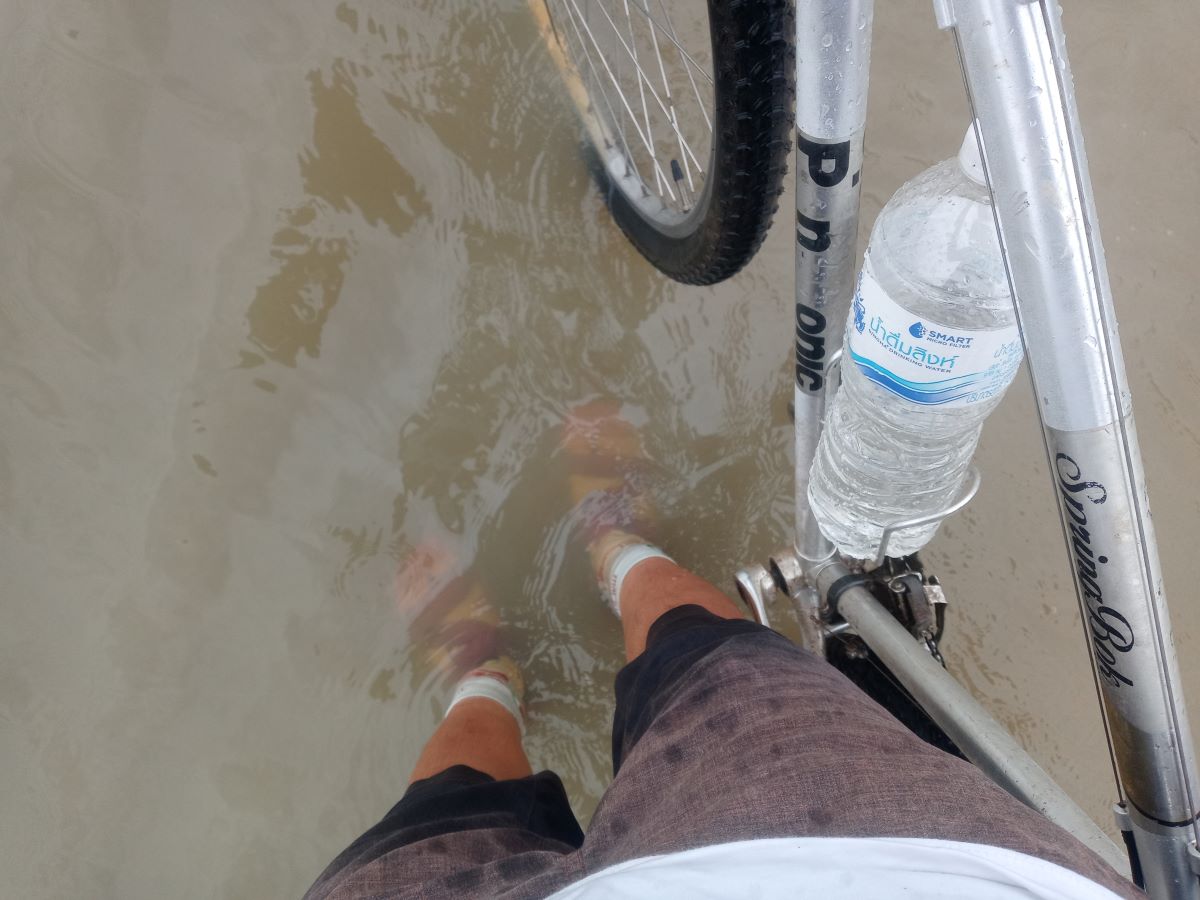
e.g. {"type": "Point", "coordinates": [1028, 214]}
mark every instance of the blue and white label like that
{"type": "Point", "coordinates": [924, 361]}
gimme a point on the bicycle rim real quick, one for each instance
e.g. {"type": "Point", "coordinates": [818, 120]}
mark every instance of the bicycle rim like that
{"type": "Point", "coordinates": [640, 72]}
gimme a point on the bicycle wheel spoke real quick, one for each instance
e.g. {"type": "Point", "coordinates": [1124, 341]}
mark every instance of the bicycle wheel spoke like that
{"type": "Point", "coordinates": [683, 53]}
{"type": "Point", "coordinates": [642, 95]}
{"type": "Point", "coordinates": [642, 75]}
{"type": "Point", "coordinates": [687, 170]}
{"type": "Point", "coordinates": [671, 36]}
{"type": "Point", "coordinates": [595, 80]}
{"type": "Point", "coordinates": [577, 20]}
{"type": "Point", "coordinates": [641, 84]}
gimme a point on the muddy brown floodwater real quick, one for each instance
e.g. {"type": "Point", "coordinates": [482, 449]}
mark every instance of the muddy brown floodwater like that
{"type": "Point", "coordinates": [296, 292]}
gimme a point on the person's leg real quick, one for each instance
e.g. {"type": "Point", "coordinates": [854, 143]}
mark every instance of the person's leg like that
{"type": "Point", "coordinates": [725, 731]}
{"type": "Point", "coordinates": [479, 733]}
{"type": "Point", "coordinates": [482, 727]}
{"type": "Point", "coordinates": [474, 821]}
{"type": "Point", "coordinates": [651, 588]}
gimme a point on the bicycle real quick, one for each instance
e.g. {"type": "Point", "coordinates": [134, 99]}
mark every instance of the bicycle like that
{"type": "Point", "coordinates": [727, 98]}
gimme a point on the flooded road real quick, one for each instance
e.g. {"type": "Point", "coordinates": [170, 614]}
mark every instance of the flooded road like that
{"type": "Point", "coordinates": [295, 299]}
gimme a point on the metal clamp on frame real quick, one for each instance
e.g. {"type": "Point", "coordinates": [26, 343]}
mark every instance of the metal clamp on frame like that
{"type": "Point", "coordinates": [839, 587]}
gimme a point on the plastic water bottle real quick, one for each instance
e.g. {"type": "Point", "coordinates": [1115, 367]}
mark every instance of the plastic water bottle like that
{"type": "Point", "coordinates": [931, 345]}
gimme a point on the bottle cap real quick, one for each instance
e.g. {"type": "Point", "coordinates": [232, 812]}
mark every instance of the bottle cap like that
{"type": "Point", "coordinates": [969, 158]}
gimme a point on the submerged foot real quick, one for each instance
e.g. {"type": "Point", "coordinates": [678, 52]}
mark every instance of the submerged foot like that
{"type": "Point", "coordinates": [452, 620]}
{"type": "Point", "coordinates": [606, 480]}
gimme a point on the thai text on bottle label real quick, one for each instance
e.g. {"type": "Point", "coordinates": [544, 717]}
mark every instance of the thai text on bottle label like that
{"type": "Point", "coordinates": [923, 361]}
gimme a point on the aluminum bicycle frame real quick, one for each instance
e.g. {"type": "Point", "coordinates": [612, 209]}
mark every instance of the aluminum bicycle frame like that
{"type": "Point", "coordinates": [1018, 80]}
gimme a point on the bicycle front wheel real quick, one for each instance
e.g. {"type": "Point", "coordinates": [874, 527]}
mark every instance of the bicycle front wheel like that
{"type": "Point", "coordinates": [688, 119]}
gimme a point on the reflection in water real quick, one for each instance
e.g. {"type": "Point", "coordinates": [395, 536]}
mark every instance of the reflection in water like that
{"type": "Point", "coordinates": [348, 169]}
{"type": "Point", "coordinates": [452, 624]}
{"type": "Point", "coordinates": [295, 340]}
{"type": "Point", "coordinates": [481, 530]}
{"type": "Point", "coordinates": [290, 310]}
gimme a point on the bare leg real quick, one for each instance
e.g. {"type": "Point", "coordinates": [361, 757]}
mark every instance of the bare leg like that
{"type": "Point", "coordinates": [657, 585]}
{"type": "Point", "coordinates": [479, 733]}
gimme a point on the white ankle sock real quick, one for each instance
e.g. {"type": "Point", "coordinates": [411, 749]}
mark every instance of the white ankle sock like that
{"type": "Point", "coordinates": [623, 563]}
{"type": "Point", "coordinates": [490, 689]}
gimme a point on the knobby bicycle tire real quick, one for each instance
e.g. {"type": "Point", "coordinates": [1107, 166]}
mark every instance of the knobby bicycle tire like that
{"type": "Point", "coordinates": [753, 83]}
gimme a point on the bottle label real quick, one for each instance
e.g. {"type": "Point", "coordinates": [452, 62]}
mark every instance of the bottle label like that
{"type": "Point", "coordinates": [922, 361]}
